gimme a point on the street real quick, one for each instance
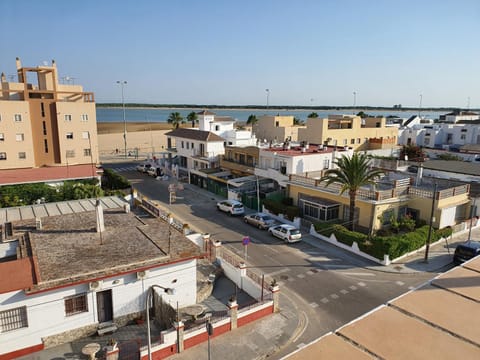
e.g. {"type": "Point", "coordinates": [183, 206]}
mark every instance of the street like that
{"type": "Point", "coordinates": [323, 286]}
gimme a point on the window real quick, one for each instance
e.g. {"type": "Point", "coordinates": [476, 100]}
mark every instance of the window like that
{"type": "Point", "coordinates": [3, 156]}
{"type": "Point", "coordinates": [377, 124]}
{"type": "Point", "coordinates": [42, 108]}
{"type": "Point", "coordinates": [18, 117]}
{"type": "Point", "coordinates": [45, 144]}
{"type": "Point", "coordinates": [426, 141]}
{"type": "Point", "coordinates": [182, 144]}
{"type": "Point", "coordinates": [84, 117]}
{"type": "Point", "coordinates": [463, 137]}
{"type": "Point", "coordinates": [70, 153]}
{"type": "Point", "coordinates": [326, 163]}
{"type": "Point", "coordinates": [13, 319]}
{"type": "Point", "coordinates": [193, 146]}
{"type": "Point", "coordinates": [188, 145]}
{"type": "Point", "coordinates": [217, 127]}
{"type": "Point", "coordinates": [76, 304]}
{"type": "Point", "coordinates": [85, 135]}
{"type": "Point", "coordinates": [87, 152]}
{"type": "Point", "coordinates": [19, 137]}
{"type": "Point", "coordinates": [463, 130]}
{"type": "Point", "coordinates": [68, 117]}
{"type": "Point", "coordinates": [359, 140]}
{"type": "Point", "coordinates": [22, 155]}
{"type": "Point", "coordinates": [69, 135]}
{"type": "Point", "coordinates": [352, 141]}
{"type": "Point", "coordinates": [345, 141]}
{"type": "Point", "coordinates": [2, 137]}
{"type": "Point", "coordinates": [44, 124]}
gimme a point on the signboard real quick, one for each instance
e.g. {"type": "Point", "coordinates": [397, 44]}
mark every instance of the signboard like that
{"type": "Point", "coordinates": [246, 240]}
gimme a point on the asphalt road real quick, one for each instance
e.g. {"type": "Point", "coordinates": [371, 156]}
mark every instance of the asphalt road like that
{"type": "Point", "coordinates": [326, 286]}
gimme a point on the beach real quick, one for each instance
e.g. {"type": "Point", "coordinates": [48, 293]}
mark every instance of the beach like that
{"type": "Point", "coordinates": [147, 137]}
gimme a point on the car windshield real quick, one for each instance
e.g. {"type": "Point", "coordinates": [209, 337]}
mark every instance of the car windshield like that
{"type": "Point", "coordinates": [237, 206]}
{"type": "Point", "coordinates": [265, 218]}
{"type": "Point", "coordinates": [294, 231]}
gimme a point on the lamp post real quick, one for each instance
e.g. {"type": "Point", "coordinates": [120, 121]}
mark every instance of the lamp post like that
{"type": "Point", "coordinates": [258, 194]}
{"type": "Point", "coordinates": [268, 96]}
{"type": "Point", "coordinates": [420, 105]}
{"type": "Point", "coordinates": [122, 84]}
{"type": "Point", "coordinates": [429, 236]}
{"type": "Point", "coordinates": [169, 291]}
{"type": "Point", "coordinates": [354, 101]}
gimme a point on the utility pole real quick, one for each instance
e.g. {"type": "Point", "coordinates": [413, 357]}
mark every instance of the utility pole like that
{"type": "Point", "coordinates": [429, 237]}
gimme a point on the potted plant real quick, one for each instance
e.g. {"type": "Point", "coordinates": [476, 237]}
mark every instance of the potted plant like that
{"type": "Point", "coordinates": [111, 345]}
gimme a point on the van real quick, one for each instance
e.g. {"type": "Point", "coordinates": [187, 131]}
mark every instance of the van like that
{"type": "Point", "coordinates": [466, 251]}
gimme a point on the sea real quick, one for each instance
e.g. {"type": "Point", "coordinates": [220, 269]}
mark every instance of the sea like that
{"type": "Point", "coordinates": [241, 115]}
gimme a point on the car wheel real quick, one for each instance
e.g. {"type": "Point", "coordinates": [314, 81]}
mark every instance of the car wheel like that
{"type": "Point", "coordinates": [260, 226]}
{"type": "Point", "coordinates": [246, 221]}
{"type": "Point", "coordinates": [218, 208]}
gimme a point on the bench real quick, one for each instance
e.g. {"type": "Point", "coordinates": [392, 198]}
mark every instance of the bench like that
{"type": "Point", "coordinates": [106, 329]}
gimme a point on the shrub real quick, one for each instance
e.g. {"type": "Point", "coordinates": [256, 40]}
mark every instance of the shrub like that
{"type": "Point", "coordinates": [114, 181]}
{"type": "Point", "coordinates": [279, 208]}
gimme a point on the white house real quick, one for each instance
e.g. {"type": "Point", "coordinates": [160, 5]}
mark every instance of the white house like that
{"type": "Point", "coordinates": [224, 126]}
{"type": "Point", "coordinates": [279, 162]}
{"type": "Point", "coordinates": [458, 115]}
{"type": "Point", "coordinates": [64, 276]}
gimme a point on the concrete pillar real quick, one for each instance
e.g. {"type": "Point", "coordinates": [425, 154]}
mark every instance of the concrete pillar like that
{"type": "Point", "coordinates": [275, 289]}
{"type": "Point", "coordinates": [179, 326]}
{"type": "Point", "coordinates": [233, 306]}
{"type": "Point", "coordinates": [216, 250]}
{"type": "Point", "coordinates": [206, 242]}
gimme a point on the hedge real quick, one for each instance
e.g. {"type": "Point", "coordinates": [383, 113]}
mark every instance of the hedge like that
{"type": "Point", "coordinates": [114, 181]}
{"type": "Point", "coordinates": [377, 246]}
{"type": "Point", "coordinates": [276, 207]}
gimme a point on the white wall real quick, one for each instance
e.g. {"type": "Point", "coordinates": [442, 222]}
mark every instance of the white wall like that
{"type": "Point", "coordinates": [46, 311]}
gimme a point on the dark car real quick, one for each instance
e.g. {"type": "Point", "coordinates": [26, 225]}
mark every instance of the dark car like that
{"type": "Point", "coordinates": [466, 251]}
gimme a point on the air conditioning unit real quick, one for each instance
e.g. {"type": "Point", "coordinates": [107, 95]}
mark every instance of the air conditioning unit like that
{"type": "Point", "coordinates": [142, 274]}
{"type": "Point", "coordinates": [95, 285]}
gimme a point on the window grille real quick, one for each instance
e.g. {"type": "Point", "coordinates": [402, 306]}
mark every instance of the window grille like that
{"type": "Point", "coordinates": [13, 319]}
{"type": "Point", "coordinates": [76, 304]}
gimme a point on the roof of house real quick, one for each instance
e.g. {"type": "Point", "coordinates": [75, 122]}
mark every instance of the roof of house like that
{"type": "Point", "coordinates": [48, 174]}
{"type": "Point", "coordinates": [415, 325]}
{"type": "Point", "coordinates": [68, 250]}
{"type": "Point", "coordinates": [410, 119]}
{"type": "Point", "coordinates": [205, 112]}
{"type": "Point", "coordinates": [460, 167]}
{"type": "Point", "coordinates": [223, 119]}
{"type": "Point", "coordinates": [195, 134]}
{"type": "Point", "coordinates": [302, 151]}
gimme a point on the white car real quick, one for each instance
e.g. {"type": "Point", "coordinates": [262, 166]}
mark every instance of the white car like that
{"type": "Point", "coordinates": [152, 171]}
{"type": "Point", "coordinates": [233, 207]}
{"type": "Point", "coordinates": [260, 220]}
{"type": "Point", "coordinates": [143, 167]}
{"type": "Point", "coordinates": [288, 233]}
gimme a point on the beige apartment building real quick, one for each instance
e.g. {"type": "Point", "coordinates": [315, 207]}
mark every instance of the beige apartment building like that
{"type": "Point", "coordinates": [371, 133]}
{"type": "Point", "coordinates": [46, 123]}
{"type": "Point", "coordinates": [276, 129]}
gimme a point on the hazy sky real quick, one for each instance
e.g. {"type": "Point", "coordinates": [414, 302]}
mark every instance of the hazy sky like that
{"type": "Point", "coordinates": [306, 52]}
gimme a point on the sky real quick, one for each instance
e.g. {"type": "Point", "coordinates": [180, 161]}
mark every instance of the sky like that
{"type": "Point", "coordinates": [305, 52]}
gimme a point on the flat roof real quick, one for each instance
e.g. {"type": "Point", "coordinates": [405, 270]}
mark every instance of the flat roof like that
{"type": "Point", "coordinates": [68, 249]}
{"type": "Point", "coordinates": [297, 150]}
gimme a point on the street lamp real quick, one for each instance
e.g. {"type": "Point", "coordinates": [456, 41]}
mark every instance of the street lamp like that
{"type": "Point", "coordinates": [354, 101]}
{"type": "Point", "coordinates": [169, 291]}
{"type": "Point", "coordinates": [122, 84]}
{"type": "Point", "coordinates": [268, 96]}
{"type": "Point", "coordinates": [420, 105]}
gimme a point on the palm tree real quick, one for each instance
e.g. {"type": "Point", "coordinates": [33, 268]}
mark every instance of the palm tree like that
{"type": "Point", "coordinates": [193, 118]}
{"type": "Point", "coordinates": [312, 115]}
{"type": "Point", "coordinates": [252, 120]}
{"type": "Point", "coordinates": [351, 173]}
{"type": "Point", "coordinates": [175, 119]}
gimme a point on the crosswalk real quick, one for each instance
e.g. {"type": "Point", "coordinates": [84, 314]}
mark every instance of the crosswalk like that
{"type": "Point", "coordinates": [124, 168]}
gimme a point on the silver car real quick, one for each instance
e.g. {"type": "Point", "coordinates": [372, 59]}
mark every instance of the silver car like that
{"type": "Point", "coordinates": [260, 220]}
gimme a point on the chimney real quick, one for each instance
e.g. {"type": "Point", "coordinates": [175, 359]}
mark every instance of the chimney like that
{"type": "Point", "coordinates": [99, 212]}
{"type": "Point", "coordinates": [38, 223]}
{"type": "Point", "coordinates": [19, 63]}
{"type": "Point", "coordinates": [3, 78]}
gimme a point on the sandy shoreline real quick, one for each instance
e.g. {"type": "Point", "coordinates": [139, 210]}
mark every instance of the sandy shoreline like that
{"type": "Point", "coordinates": [147, 137]}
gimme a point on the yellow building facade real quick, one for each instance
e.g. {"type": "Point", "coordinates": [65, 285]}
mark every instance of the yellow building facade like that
{"type": "Point", "coordinates": [44, 122]}
{"type": "Point", "coordinates": [276, 129]}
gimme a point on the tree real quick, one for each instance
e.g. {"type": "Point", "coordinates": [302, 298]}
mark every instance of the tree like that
{"type": "Point", "coordinates": [413, 152]}
{"type": "Point", "coordinates": [312, 115]}
{"type": "Point", "coordinates": [252, 120]}
{"type": "Point", "coordinates": [193, 118]}
{"type": "Point", "coordinates": [351, 173]}
{"type": "Point", "coordinates": [175, 119]}
{"type": "Point", "coordinates": [297, 121]}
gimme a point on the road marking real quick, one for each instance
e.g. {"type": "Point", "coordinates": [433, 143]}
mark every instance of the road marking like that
{"type": "Point", "coordinates": [291, 279]}
{"type": "Point", "coordinates": [334, 296]}
{"type": "Point", "coordinates": [310, 272]}
{"type": "Point", "coordinates": [301, 345]}
{"type": "Point", "coordinates": [361, 284]}
{"type": "Point", "coordinates": [301, 276]}
{"type": "Point", "coordinates": [280, 283]}
{"type": "Point", "coordinates": [321, 258]}
{"type": "Point", "coordinates": [324, 300]}
{"type": "Point", "coordinates": [353, 287]}
{"type": "Point", "coordinates": [411, 287]}
{"type": "Point", "coordinates": [344, 292]}
{"type": "Point", "coordinates": [399, 283]}
{"type": "Point", "coordinates": [358, 274]}
{"type": "Point", "coordinates": [314, 305]}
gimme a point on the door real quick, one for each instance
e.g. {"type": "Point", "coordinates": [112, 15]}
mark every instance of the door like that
{"type": "Point", "coordinates": [104, 306]}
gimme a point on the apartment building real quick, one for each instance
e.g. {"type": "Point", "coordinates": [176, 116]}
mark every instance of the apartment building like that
{"type": "Point", "coordinates": [46, 122]}
{"type": "Point", "coordinates": [276, 129]}
{"type": "Point", "coordinates": [371, 133]}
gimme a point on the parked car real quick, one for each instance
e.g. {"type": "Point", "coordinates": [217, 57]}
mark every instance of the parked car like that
{"type": "Point", "coordinates": [466, 251]}
{"type": "Point", "coordinates": [152, 171]}
{"type": "Point", "coordinates": [233, 207]}
{"type": "Point", "coordinates": [260, 220]}
{"type": "Point", "coordinates": [143, 167]}
{"type": "Point", "coordinates": [288, 233]}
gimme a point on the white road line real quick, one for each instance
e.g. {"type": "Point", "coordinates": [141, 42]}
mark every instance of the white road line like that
{"type": "Point", "coordinates": [321, 258]}
{"type": "Point", "coordinates": [400, 283]}
{"type": "Point", "coordinates": [358, 274]}
{"type": "Point", "coordinates": [301, 276]}
{"type": "Point", "coordinates": [361, 284]}
{"type": "Point", "coordinates": [324, 300]}
{"type": "Point", "coordinates": [334, 296]}
{"type": "Point", "coordinates": [344, 292]}
{"type": "Point", "coordinates": [353, 287]}
{"type": "Point", "coordinates": [314, 305]}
